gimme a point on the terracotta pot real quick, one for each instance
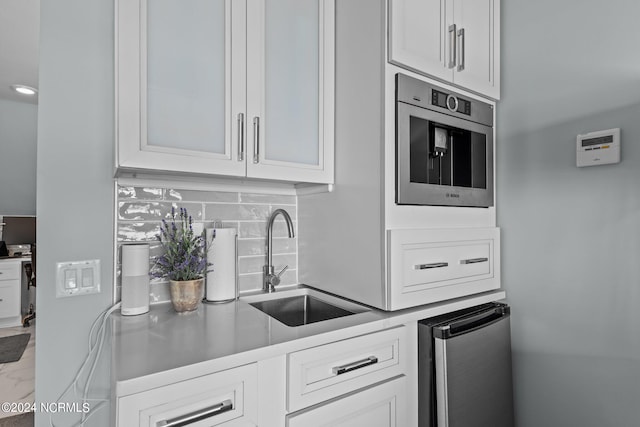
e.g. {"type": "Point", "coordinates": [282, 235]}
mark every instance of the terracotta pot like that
{"type": "Point", "coordinates": [186, 294]}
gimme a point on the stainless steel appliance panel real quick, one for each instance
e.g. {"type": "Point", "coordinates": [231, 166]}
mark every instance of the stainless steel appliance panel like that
{"type": "Point", "coordinates": [465, 375]}
{"type": "Point", "coordinates": [444, 147]}
{"type": "Point", "coordinates": [411, 192]}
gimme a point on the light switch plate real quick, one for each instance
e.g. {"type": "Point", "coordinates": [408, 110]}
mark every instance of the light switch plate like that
{"type": "Point", "coordinates": [77, 278]}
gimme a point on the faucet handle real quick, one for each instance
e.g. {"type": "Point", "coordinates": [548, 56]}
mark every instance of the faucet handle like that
{"type": "Point", "coordinates": [273, 280]}
{"type": "Point", "coordinates": [282, 271]}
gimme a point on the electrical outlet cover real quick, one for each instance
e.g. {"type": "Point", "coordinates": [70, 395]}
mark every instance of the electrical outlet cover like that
{"type": "Point", "coordinates": [77, 278]}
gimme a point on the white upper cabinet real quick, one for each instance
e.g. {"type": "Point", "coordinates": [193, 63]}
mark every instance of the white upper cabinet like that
{"type": "Point", "coordinates": [226, 87]}
{"type": "Point", "coordinates": [290, 71]}
{"type": "Point", "coordinates": [457, 41]}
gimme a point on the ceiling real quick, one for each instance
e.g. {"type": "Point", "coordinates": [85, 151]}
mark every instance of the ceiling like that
{"type": "Point", "coordinates": [19, 40]}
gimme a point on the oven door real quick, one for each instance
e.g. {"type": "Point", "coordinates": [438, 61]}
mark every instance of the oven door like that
{"type": "Point", "coordinates": [442, 160]}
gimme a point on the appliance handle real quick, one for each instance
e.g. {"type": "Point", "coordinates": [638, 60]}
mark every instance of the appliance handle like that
{"type": "Point", "coordinates": [452, 46]}
{"type": "Point", "coordinates": [195, 416]}
{"type": "Point", "coordinates": [470, 323]}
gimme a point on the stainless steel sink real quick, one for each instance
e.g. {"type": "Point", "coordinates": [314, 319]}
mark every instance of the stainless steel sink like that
{"type": "Point", "coordinates": [300, 310]}
{"type": "Point", "coordinates": [303, 308]}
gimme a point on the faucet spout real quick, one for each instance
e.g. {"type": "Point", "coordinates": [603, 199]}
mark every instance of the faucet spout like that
{"type": "Point", "coordinates": [271, 280]}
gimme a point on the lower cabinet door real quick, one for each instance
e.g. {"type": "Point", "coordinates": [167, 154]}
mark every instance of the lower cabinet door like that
{"type": "Point", "coordinates": [226, 398]}
{"type": "Point", "coordinates": [9, 298]}
{"type": "Point", "coordinates": [381, 405]}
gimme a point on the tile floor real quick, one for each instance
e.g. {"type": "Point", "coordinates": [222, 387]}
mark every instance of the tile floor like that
{"type": "Point", "coordinates": [17, 379]}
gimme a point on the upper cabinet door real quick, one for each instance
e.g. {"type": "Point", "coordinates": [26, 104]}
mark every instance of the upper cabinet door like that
{"type": "Point", "coordinates": [418, 36]}
{"type": "Point", "coordinates": [478, 47]}
{"type": "Point", "coordinates": [290, 72]}
{"type": "Point", "coordinates": [180, 91]}
{"type": "Point", "coordinates": [456, 41]}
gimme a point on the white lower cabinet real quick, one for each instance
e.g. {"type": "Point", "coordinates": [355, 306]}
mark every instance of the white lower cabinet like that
{"type": "Point", "coordinates": [354, 382]}
{"type": "Point", "coordinates": [226, 398]}
{"type": "Point", "coordinates": [359, 381]}
{"type": "Point", "coordinates": [321, 373]}
{"type": "Point", "coordinates": [382, 405]}
{"type": "Point", "coordinates": [10, 292]}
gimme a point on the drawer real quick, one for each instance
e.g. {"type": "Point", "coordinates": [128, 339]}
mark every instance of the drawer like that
{"type": "Point", "coordinates": [429, 264]}
{"type": "Point", "coordinates": [223, 398]}
{"type": "Point", "coordinates": [426, 266]}
{"type": "Point", "coordinates": [10, 271]}
{"type": "Point", "coordinates": [9, 298]}
{"type": "Point", "coordinates": [320, 373]}
{"type": "Point", "coordinates": [383, 405]}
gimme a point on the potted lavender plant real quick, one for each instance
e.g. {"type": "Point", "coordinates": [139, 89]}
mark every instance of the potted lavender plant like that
{"type": "Point", "coordinates": [183, 262]}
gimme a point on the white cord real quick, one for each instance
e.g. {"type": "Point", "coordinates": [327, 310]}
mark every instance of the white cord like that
{"type": "Point", "coordinates": [101, 332]}
{"type": "Point", "coordinates": [101, 320]}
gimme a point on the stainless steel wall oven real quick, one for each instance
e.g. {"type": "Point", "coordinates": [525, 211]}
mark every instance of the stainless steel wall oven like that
{"type": "Point", "coordinates": [444, 146]}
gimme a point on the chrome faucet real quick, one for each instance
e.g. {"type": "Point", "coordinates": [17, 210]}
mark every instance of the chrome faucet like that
{"type": "Point", "coordinates": [271, 280]}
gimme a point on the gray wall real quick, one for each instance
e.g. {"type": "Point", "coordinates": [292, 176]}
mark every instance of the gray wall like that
{"type": "Point", "coordinates": [571, 236]}
{"type": "Point", "coordinates": [75, 201]}
{"type": "Point", "coordinates": [18, 126]}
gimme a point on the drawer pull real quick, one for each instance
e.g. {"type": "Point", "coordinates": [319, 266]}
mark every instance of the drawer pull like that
{"type": "Point", "coordinates": [432, 265]}
{"type": "Point", "coordinates": [190, 418]}
{"type": "Point", "coordinates": [339, 370]}
{"type": "Point", "coordinates": [473, 260]}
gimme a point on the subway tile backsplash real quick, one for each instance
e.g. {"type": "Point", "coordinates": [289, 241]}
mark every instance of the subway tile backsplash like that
{"type": "Point", "coordinates": [142, 208]}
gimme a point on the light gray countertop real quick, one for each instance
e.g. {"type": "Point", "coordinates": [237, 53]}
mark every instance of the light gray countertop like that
{"type": "Point", "coordinates": [15, 259]}
{"type": "Point", "coordinates": [162, 346]}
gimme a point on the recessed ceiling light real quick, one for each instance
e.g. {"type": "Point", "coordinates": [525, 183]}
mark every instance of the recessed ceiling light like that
{"type": "Point", "coordinates": [24, 90]}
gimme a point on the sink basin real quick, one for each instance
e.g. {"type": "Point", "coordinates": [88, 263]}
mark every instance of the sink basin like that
{"type": "Point", "coordinates": [300, 310]}
{"type": "Point", "coordinates": [302, 306]}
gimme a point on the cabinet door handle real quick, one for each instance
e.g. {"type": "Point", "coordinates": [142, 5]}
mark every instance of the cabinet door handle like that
{"type": "Point", "coordinates": [240, 137]}
{"type": "Point", "coordinates": [461, 50]}
{"type": "Point", "coordinates": [432, 265]}
{"type": "Point", "coordinates": [195, 416]}
{"type": "Point", "coordinates": [452, 46]}
{"type": "Point", "coordinates": [473, 260]}
{"type": "Point", "coordinates": [339, 370]}
{"type": "Point", "coordinates": [256, 139]}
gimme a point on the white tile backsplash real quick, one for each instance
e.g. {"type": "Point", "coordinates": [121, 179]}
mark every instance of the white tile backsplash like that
{"type": "Point", "coordinates": [140, 210]}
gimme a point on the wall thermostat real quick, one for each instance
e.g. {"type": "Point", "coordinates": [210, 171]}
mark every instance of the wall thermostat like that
{"type": "Point", "coordinates": [598, 148]}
